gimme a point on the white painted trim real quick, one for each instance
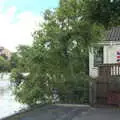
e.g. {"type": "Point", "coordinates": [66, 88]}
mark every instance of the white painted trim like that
{"type": "Point", "coordinates": [109, 43]}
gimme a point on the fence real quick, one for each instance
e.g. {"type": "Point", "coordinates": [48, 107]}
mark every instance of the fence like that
{"type": "Point", "coordinates": [107, 91]}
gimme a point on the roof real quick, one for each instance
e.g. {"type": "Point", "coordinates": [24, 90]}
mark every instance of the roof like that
{"type": "Point", "coordinates": [113, 34]}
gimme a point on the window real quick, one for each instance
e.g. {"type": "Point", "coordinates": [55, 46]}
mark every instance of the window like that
{"type": "Point", "coordinates": [98, 56]}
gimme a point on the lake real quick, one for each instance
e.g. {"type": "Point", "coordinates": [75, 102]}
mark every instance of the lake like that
{"type": "Point", "coordinates": [8, 104]}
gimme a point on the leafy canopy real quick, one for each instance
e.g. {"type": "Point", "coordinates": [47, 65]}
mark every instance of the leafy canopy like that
{"type": "Point", "coordinates": [4, 65]}
{"type": "Point", "coordinates": [105, 12]}
{"type": "Point", "coordinates": [57, 58]}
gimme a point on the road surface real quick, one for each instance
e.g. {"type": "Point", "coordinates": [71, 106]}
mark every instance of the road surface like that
{"type": "Point", "coordinates": [70, 112]}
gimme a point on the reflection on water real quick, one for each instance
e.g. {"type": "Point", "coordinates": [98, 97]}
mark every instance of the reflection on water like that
{"type": "Point", "coordinates": [8, 105]}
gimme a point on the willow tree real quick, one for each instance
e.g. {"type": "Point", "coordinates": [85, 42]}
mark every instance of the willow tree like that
{"type": "Point", "coordinates": [57, 58]}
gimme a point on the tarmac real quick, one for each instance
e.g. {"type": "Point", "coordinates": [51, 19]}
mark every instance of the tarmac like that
{"type": "Point", "coordinates": [70, 112]}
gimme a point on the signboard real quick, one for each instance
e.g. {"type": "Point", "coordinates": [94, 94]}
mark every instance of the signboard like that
{"type": "Point", "coordinates": [118, 56]}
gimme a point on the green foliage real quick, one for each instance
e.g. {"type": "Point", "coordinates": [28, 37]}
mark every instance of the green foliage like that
{"type": "Point", "coordinates": [57, 58]}
{"type": "Point", "coordinates": [14, 61]}
{"type": "Point", "coordinates": [106, 12]}
{"type": "Point", "coordinates": [74, 90]}
{"type": "Point", "coordinates": [16, 77]}
{"type": "Point", "coordinates": [4, 65]}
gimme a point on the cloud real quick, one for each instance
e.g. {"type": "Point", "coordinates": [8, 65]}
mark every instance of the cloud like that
{"type": "Point", "coordinates": [16, 29]}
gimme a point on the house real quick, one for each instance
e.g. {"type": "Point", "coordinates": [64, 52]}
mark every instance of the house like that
{"type": "Point", "coordinates": [5, 53]}
{"type": "Point", "coordinates": [104, 68]}
{"type": "Point", "coordinates": [107, 52]}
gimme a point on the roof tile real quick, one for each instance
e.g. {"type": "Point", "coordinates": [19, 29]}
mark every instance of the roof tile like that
{"type": "Point", "coordinates": [113, 34]}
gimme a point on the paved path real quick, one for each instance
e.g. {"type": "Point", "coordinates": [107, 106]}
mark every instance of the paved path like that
{"type": "Point", "coordinates": [55, 112]}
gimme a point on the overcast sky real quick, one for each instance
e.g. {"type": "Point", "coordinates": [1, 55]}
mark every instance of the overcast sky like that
{"type": "Point", "coordinates": [19, 18]}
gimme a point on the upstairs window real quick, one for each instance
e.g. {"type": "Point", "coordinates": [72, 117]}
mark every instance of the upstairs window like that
{"type": "Point", "coordinates": [98, 56]}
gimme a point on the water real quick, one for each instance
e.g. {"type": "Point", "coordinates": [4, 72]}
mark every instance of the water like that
{"type": "Point", "coordinates": [8, 104]}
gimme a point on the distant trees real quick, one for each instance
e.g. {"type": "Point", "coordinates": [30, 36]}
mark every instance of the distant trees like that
{"type": "Point", "coordinates": [14, 60]}
{"type": "Point", "coordinates": [7, 65]}
{"type": "Point", "coordinates": [4, 65]}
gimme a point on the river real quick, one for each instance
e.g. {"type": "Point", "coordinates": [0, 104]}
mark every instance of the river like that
{"type": "Point", "coordinates": [8, 104]}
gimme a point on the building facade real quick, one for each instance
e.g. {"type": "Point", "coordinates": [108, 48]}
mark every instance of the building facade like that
{"type": "Point", "coordinates": [104, 67]}
{"type": "Point", "coordinates": [5, 53]}
{"type": "Point", "coordinates": [106, 52]}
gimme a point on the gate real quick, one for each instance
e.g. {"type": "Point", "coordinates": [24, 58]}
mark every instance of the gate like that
{"type": "Point", "coordinates": [108, 84]}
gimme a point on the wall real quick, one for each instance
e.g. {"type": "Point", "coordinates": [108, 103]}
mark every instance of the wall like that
{"type": "Point", "coordinates": [110, 53]}
{"type": "Point", "coordinates": [93, 71]}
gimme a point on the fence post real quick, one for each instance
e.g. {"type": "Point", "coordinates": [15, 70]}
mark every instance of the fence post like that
{"type": "Point", "coordinates": [92, 92]}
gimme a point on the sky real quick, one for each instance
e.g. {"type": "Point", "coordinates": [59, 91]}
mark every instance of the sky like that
{"type": "Point", "coordinates": [18, 20]}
